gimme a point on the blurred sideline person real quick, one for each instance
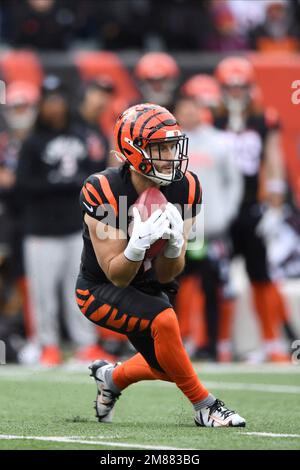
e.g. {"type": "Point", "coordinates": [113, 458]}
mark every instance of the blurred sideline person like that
{"type": "Point", "coordinates": [211, 161]}
{"type": "Point", "coordinates": [19, 114]}
{"type": "Point", "coordinates": [96, 96]}
{"type": "Point", "coordinates": [157, 75]}
{"type": "Point", "coordinates": [279, 32]}
{"type": "Point", "coordinates": [120, 288]}
{"type": "Point", "coordinates": [41, 24]}
{"type": "Point", "coordinates": [52, 166]}
{"type": "Point", "coordinates": [254, 136]}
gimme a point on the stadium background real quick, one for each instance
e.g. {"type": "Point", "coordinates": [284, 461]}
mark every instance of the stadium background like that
{"type": "Point", "coordinates": [88, 39]}
{"type": "Point", "coordinates": [80, 41]}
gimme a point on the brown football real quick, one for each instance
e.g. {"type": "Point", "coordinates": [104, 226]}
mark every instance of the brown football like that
{"type": "Point", "coordinates": [148, 202]}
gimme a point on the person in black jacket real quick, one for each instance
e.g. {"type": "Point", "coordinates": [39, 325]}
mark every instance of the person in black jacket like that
{"type": "Point", "coordinates": [95, 97]}
{"type": "Point", "coordinates": [18, 116]}
{"type": "Point", "coordinates": [53, 164]}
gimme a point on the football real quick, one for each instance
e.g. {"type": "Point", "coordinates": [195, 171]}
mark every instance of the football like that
{"type": "Point", "coordinates": [148, 202]}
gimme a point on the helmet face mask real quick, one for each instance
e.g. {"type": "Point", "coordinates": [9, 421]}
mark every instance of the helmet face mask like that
{"type": "Point", "coordinates": [149, 138]}
{"type": "Point", "coordinates": [165, 170]}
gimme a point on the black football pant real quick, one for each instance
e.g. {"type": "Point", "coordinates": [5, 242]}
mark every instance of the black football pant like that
{"type": "Point", "coordinates": [129, 311]}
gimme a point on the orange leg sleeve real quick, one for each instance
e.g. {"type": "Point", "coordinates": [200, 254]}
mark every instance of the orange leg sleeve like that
{"type": "Point", "coordinates": [27, 310]}
{"type": "Point", "coordinates": [134, 370]}
{"type": "Point", "coordinates": [226, 319]}
{"type": "Point", "coordinates": [190, 311]}
{"type": "Point", "coordinates": [281, 305]}
{"type": "Point", "coordinates": [173, 358]}
{"type": "Point", "coordinates": [183, 308]}
{"type": "Point", "coordinates": [266, 304]}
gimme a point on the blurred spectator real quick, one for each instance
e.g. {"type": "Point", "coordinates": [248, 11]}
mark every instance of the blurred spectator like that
{"type": "Point", "coordinates": [180, 24]}
{"type": "Point", "coordinates": [122, 24]}
{"type": "Point", "coordinates": [52, 167]}
{"type": "Point", "coordinates": [248, 14]}
{"type": "Point", "coordinates": [41, 24]}
{"type": "Point", "coordinates": [279, 32]}
{"type": "Point", "coordinates": [295, 10]}
{"type": "Point", "coordinates": [205, 90]}
{"type": "Point", "coordinates": [283, 250]}
{"type": "Point", "coordinates": [210, 159]}
{"type": "Point", "coordinates": [85, 20]}
{"type": "Point", "coordinates": [254, 136]}
{"type": "Point", "coordinates": [157, 75]}
{"type": "Point", "coordinates": [19, 114]}
{"type": "Point", "coordinates": [223, 33]}
{"type": "Point", "coordinates": [21, 107]}
{"type": "Point", "coordinates": [95, 98]}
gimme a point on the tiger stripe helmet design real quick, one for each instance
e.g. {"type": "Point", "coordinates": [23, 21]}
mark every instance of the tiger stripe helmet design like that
{"type": "Point", "coordinates": [142, 128]}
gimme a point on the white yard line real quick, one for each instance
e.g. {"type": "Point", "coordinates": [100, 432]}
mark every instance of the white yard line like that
{"type": "Point", "coordinates": [268, 388]}
{"type": "Point", "coordinates": [75, 379]}
{"type": "Point", "coordinates": [74, 440]}
{"type": "Point", "coordinates": [126, 445]}
{"type": "Point", "coordinates": [244, 368]}
{"type": "Point", "coordinates": [269, 434]}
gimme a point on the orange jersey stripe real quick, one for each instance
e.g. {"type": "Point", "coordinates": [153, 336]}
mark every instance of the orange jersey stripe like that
{"type": "Point", "coordinates": [80, 301]}
{"type": "Point", "coordinates": [116, 323]}
{"type": "Point", "coordinates": [87, 197]}
{"type": "Point", "coordinates": [131, 323]}
{"type": "Point", "coordinates": [83, 292]}
{"type": "Point", "coordinates": [144, 324]}
{"type": "Point", "coordinates": [100, 312]}
{"type": "Point", "coordinates": [87, 304]}
{"type": "Point", "coordinates": [192, 187]}
{"type": "Point", "coordinates": [92, 190]}
{"type": "Point", "coordinates": [108, 192]}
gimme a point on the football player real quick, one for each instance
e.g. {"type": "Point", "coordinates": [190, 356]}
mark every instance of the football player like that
{"type": "Point", "coordinates": [118, 288]}
{"type": "Point", "coordinates": [254, 135]}
{"type": "Point", "coordinates": [157, 75]}
{"type": "Point", "coordinates": [210, 159]}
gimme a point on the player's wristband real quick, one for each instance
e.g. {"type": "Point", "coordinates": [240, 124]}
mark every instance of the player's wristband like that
{"type": "Point", "coordinates": [133, 253]}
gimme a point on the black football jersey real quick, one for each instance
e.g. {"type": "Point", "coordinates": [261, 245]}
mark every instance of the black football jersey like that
{"type": "Point", "coordinates": [248, 147]}
{"type": "Point", "coordinates": [108, 195]}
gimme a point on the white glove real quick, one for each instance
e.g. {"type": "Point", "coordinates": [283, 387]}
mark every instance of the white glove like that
{"type": "Point", "coordinates": [176, 240]}
{"type": "Point", "coordinates": [146, 233]}
{"type": "Point", "coordinates": [270, 223]}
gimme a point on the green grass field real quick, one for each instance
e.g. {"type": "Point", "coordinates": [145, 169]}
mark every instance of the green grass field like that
{"type": "Point", "coordinates": [42, 409]}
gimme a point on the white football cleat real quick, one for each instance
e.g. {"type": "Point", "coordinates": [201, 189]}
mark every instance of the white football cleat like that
{"type": "Point", "coordinates": [105, 399]}
{"type": "Point", "coordinates": [217, 415]}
